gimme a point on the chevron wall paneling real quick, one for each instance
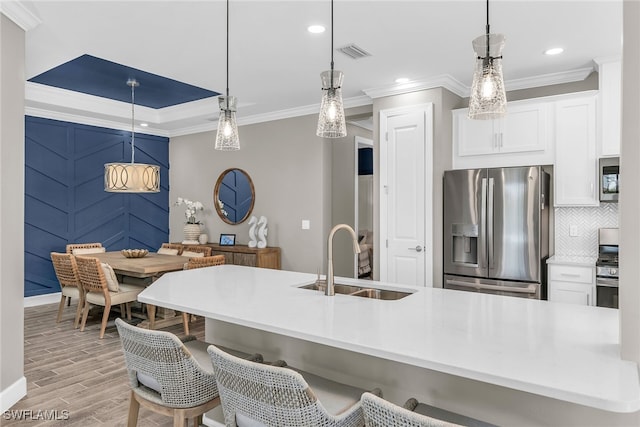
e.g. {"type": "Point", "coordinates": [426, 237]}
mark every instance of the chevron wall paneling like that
{"type": "Point", "coordinates": [65, 201]}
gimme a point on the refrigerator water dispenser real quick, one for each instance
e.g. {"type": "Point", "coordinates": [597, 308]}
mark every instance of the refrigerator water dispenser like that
{"type": "Point", "coordinates": [465, 243]}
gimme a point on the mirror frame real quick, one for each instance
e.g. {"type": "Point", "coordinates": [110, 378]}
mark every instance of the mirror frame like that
{"type": "Point", "coordinates": [217, 189]}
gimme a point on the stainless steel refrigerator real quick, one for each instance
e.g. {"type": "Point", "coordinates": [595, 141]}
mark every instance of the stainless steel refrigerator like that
{"type": "Point", "coordinates": [496, 230]}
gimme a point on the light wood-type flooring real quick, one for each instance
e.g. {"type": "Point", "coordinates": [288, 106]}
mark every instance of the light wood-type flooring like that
{"type": "Point", "coordinates": [73, 371]}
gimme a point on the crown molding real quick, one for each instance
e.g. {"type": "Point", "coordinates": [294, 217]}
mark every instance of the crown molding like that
{"type": "Point", "coordinates": [451, 84]}
{"type": "Point", "coordinates": [201, 115]}
{"type": "Point", "coordinates": [212, 125]}
{"type": "Point", "coordinates": [445, 80]}
{"type": "Point", "coordinates": [20, 14]}
{"type": "Point", "coordinates": [83, 119]}
{"type": "Point", "coordinates": [549, 79]}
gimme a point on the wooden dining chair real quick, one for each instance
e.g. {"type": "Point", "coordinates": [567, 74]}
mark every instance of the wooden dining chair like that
{"type": "Point", "coordinates": [70, 287]}
{"type": "Point", "coordinates": [101, 288]}
{"type": "Point", "coordinates": [84, 248]}
{"type": "Point", "coordinates": [170, 247]}
{"type": "Point", "coordinates": [206, 261]}
{"type": "Point", "coordinates": [195, 251]}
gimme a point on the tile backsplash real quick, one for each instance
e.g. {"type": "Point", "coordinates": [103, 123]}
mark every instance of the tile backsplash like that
{"type": "Point", "coordinates": [587, 220]}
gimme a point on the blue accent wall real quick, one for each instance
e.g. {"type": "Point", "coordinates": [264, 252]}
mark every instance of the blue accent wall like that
{"type": "Point", "coordinates": [65, 201]}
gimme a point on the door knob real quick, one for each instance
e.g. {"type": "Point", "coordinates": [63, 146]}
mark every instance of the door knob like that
{"type": "Point", "coordinates": [417, 249]}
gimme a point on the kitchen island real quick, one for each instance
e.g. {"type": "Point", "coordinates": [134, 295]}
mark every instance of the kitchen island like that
{"type": "Point", "coordinates": [504, 360]}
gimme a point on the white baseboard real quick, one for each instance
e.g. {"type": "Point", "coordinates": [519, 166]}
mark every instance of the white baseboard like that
{"type": "Point", "coordinates": [10, 395]}
{"type": "Point", "coordinates": [42, 299]}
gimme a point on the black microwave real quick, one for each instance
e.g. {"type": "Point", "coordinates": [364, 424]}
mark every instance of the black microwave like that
{"type": "Point", "coordinates": [609, 179]}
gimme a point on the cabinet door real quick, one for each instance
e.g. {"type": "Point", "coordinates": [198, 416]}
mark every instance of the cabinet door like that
{"type": "Point", "coordinates": [473, 137]}
{"type": "Point", "coordinates": [576, 163]}
{"type": "Point", "coordinates": [228, 256]}
{"type": "Point", "coordinates": [524, 128]}
{"type": "Point", "coordinates": [571, 293]}
{"type": "Point", "coordinates": [610, 83]}
{"type": "Point", "coordinates": [248, 260]}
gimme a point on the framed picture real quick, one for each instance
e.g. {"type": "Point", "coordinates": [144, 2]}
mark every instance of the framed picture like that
{"type": "Point", "coordinates": [227, 240]}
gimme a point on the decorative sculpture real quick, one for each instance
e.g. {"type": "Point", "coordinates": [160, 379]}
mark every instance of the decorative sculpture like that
{"type": "Point", "coordinates": [262, 232]}
{"type": "Point", "coordinates": [253, 222]}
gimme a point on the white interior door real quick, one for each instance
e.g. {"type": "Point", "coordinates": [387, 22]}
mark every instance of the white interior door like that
{"type": "Point", "coordinates": [406, 192]}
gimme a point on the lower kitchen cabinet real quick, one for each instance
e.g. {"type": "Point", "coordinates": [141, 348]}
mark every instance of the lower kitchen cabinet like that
{"type": "Point", "coordinates": [268, 257]}
{"type": "Point", "coordinates": [571, 284]}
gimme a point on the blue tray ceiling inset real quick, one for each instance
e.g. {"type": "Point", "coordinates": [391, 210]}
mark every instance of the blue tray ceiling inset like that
{"type": "Point", "coordinates": [99, 77]}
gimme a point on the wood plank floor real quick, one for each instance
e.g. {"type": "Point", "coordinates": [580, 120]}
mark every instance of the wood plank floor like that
{"type": "Point", "coordinates": [73, 371]}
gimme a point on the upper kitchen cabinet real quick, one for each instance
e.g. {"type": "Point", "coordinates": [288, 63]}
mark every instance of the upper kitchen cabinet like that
{"type": "Point", "coordinates": [575, 171]}
{"type": "Point", "coordinates": [609, 105]}
{"type": "Point", "coordinates": [520, 138]}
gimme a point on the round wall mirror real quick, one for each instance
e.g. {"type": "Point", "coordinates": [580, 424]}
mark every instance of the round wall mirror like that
{"type": "Point", "coordinates": [234, 195]}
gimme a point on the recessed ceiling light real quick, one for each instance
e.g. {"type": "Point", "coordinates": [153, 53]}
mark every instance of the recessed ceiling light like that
{"type": "Point", "coordinates": [401, 80]}
{"type": "Point", "coordinates": [554, 51]}
{"type": "Point", "coordinates": [144, 125]}
{"type": "Point", "coordinates": [316, 29]}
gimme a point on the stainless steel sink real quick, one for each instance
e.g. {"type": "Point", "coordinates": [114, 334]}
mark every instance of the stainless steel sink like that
{"type": "Point", "coordinates": [360, 291]}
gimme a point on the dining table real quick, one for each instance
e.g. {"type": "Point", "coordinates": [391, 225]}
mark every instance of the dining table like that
{"type": "Point", "coordinates": [151, 266]}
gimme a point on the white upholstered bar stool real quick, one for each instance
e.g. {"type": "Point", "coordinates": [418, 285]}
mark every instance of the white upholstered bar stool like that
{"type": "Point", "coordinates": [382, 413]}
{"type": "Point", "coordinates": [262, 395]}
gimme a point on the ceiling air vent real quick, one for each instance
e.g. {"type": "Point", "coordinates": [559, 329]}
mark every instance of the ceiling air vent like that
{"type": "Point", "coordinates": [353, 51]}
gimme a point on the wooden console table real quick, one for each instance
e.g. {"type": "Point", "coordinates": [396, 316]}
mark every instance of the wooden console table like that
{"type": "Point", "coordinates": [268, 257]}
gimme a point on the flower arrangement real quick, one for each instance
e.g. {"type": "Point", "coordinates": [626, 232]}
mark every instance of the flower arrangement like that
{"type": "Point", "coordinates": [192, 208]}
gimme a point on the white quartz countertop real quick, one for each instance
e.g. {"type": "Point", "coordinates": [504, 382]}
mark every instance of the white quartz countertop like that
{"type": "Point", "coordinates": [562, 351]}
{"type": "Point", "coordinates": [583, 261]}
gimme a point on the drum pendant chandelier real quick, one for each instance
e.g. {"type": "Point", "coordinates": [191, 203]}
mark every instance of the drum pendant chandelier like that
{"type": "Point", "coordinates": [488, 99]}
{"type": "Point", "coordinates": [331, 121]}
{"type": "Point", "coordinates": [131, 177]}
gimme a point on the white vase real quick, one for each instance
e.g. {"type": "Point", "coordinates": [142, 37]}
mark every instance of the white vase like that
{"type": "Point", "coordinates": [191, 232]}
{"type": "Point", "coordinates": [203, 239]}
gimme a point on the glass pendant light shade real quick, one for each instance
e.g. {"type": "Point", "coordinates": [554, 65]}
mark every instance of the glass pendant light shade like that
{"type": "Point", "coordinates": [227, 138]}
{"type": "Point", "coordinates": [488, 98]}
{"type": "Point", "coordinates": [331, 121]}
{"type": "Point", "coordinates": [131, 178]}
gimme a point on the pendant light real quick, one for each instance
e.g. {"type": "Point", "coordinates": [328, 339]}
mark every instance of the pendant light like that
{"type": "Point", "coordinates": [131, 177]}
{"type": "Point", "coordinates": [488, 99]}
{"type": "Point", "coordinates": [331, 122]}
{"type": "Point", "coordinates": [227, 138]}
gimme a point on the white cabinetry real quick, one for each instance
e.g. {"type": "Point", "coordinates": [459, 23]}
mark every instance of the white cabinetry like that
{"type": "Point", "coordinates": [575, 172]}
{"type": "Point", "coordinates": [571, 284]}
{"type": "Point", "coordinates": [520, 138]}
{"type": "Point", "coordinates": [609, 105]}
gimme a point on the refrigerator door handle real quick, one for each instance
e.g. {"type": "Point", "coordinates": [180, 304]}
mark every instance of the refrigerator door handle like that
{"type": "Point", "coordinates": [530, 289]}
{"type": "Point", "coordinates": [483, 225]}
{"type": "Point", "coordinates": [490, 222]}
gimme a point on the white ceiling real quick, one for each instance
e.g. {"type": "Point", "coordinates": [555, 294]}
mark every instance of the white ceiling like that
{"type": "Point", "coordinates": [275, 63]}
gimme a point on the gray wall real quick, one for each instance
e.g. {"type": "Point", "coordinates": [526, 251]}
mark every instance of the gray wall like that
{"type": "Point", "coordinates": [12, 382]}
{"type": "Point", "coordinates": [343, 174]}
{"type": "Point", "coordinates": [291, 171]}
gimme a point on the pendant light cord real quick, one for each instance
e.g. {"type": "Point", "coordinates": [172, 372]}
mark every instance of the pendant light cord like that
{"type": "Point", "coordinates": [227, 51]}
{"type": "Point", "coordinates": [488, 52]}
{"type": "Point", "coordinates": [133, 133]}
{"type": "Point", "coordinates": [331, 44]}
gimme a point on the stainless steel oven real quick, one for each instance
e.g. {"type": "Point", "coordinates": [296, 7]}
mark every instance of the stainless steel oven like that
{"type": "Point", "coordinates": [609, 179]}
{"type": "Point", "coordinates": [607, 270]}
